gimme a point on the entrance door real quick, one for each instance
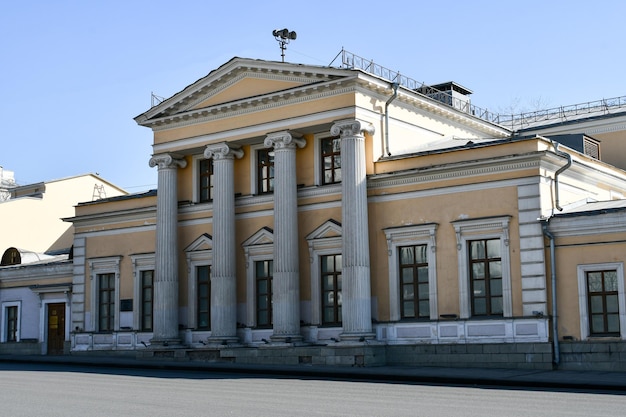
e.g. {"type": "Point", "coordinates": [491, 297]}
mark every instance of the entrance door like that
{"type": "Point", "coordinates": [56, 328]}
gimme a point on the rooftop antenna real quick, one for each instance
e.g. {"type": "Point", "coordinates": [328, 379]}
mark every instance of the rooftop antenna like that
{"type": "Point", "coordinates": [283, 37]}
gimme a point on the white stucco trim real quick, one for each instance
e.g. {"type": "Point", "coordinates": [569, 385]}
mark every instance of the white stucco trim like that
{"type": "Point", "coordinates": [199, 253]}
{"type": "Point", "coordinates": [411, 236]}
{"type": "Point", "coordinates": [258, 247]}
{"type": "Point", "coordinates": [99, 266]}
{"type": "Point", "coordinates": [487, 228]}
{"type": "Point", "coordinates": [142, 262]}
{"type": "Point", "coordinates": [4, 324]}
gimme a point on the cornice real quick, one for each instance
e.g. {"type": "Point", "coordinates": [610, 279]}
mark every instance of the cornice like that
{"type": "Point", "coordinates": [588, 224]}
{"type": "Point", "coordinates": [115, 217]}
{"type": "Point", "coordinates": [457, 170]}
{"type": "Point", "coordinates": [37, 272]}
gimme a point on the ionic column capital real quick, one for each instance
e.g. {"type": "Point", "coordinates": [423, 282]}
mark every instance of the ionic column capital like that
{"type": "Point", "coordinates": [351, 127]}
{"type": "Point", "coordinates": [280, 140]}
{"type": "Point", "coordinates": [222, 151]}
{"type": "Point", "coordinates": [167, 161]}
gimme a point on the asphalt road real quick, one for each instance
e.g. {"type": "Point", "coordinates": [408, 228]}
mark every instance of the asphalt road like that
{"type": "Point", "coordinates": [70, 391]}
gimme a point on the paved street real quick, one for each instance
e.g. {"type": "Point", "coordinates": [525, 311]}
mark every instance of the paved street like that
{"type": "Point", "coordinates": [32, 389]}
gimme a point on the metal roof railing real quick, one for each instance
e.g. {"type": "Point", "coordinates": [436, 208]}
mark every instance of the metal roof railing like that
{"type": "Point", "coordinates": [352, 61]}
{"type": "Point", "coordinates": [512, 121]}
{"type": "Point", "coordinates": [564, 113]}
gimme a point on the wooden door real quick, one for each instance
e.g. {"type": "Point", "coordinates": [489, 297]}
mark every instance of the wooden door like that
{"type": "Point", "coordinates": [56, 328]}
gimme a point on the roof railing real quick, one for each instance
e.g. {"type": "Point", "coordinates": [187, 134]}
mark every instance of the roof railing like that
{"type": "Point", "coordinates": [510, 121]}
{"type": "Point", "coordinates": [563, 113]}
{"type": "Point", "coordinates": [352, 61]}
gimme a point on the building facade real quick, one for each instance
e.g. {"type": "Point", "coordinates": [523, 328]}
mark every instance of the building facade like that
{"type": "Point", "coordinates": [318, 215]}
{"type": "Point", "coordinates": [329, 216]}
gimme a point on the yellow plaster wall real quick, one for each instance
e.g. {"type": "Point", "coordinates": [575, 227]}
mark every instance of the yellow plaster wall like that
{"type": "Point", "coordinates": [443, 210]}
{"type": "Point", "coordinates": [247, 87]}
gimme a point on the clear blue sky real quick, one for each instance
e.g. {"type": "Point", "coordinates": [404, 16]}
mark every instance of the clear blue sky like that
{"type": "Point", "coordinates": [74, 74]}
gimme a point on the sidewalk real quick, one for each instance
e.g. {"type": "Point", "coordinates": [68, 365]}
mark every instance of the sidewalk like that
{"type": "Point", "coordinates": [560, 379]}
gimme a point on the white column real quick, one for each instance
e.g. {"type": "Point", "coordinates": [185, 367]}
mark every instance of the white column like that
{"type": "Point", "coordinates": [165, 313]}
{"type": "Point", "coordinates": [224, 268]}
{"type": "Point", "coordinates": [356, 293]}
{"type": "Point", "coordinates": [286, 275]}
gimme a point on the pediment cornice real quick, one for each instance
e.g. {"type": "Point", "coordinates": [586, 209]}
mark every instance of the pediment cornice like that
{"type": "Point", "coordinates": [231, 73]}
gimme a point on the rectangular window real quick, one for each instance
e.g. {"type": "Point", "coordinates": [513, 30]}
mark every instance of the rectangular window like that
{"type": "Point", "coordinates": [602, 302]}
{"type": "Point", "coordinates": [147, 293]}
{"type": "Point", "coordinates": [330, 267]}
{"type": "Point", "coordinates": [265, 171]}
{"type": "Point", "coordinates": [206, 180]}
{"type": "Point", "coordinates": [106, 302]}
{"type": "Point", "coordinates": [414, 289]}
{"type": "Point", "coordinates": [203, 305]}
{"type": "Point", "coordinates": [331, 160]}
{"type": "Point", "coordinates": [485, 271]}
{"type": "Point", "coordinates": [264, 273]}
{"type": "Point", "coordinates": [12, 317]}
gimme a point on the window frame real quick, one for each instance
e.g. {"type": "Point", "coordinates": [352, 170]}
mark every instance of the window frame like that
{"type": "Point", "coordinates": [258, 247]}
{"type": "Point", "coordinates": [476, 229]}
{"type": "Point", "coordinates": [142, 263]}
{"type": "Point", "coordinates": [411, 236]}
{"type": "Point", "coordinates": [325, 240]}
{"type": "Point", "coordinates": [486, 261]}
{"type": "Point", "coordinates": [319, 160]}
{"type": "Point", "coordinates": [581, 271]}
{"type": "Point", "coordinates": [197, 180]}
{"type": "Point", "coordinates": [259, 179]}
{"type": "Point", "coordinates": [197, 297]}
{"type": "Point", "coordinates": [418, 295]}
{"type": "Point", "coordinates": [5, 321]}
{"type": "Point", "coordinates": [198, 253]}
{"type": "Point", "coordinates": [98, 267]}
{"type": "Point", "coordinates": [337, 290]}
{"type": "Point", "coordinates": [269, 294]}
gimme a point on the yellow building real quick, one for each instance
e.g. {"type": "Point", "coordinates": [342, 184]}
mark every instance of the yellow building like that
{"type": "Point", "coordinates": [325, 215]}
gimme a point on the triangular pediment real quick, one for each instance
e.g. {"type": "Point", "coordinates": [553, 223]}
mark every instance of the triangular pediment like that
{"type": "Point", "coordinates": [204, 242]}
{"type": "Point", "coordinates": [238, 81]}
{"type": "Point", "coordinates": [265, 236]}
{"type": "Point", "coordinates": [329, 229]}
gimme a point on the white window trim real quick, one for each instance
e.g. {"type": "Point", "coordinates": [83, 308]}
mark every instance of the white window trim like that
{"type": "Point", "coordinates": [487, 228]}
{"type": "Point", "coordinates": [581, 271]}
{"type": "Point", "coordinates": [104, 266]}
{"type": "Point", "coordinates": [411, 236]}
{"type": "Point", "coordinates": [320, 244]}
{"type": "Point", "coordinates": [143, 262]}
{"type": "Point", "coordinates": [5, 318]}
{"type": "Point", "coordinates": [259, 247]}
{"type": "Point", "coordinates": [195, 258]}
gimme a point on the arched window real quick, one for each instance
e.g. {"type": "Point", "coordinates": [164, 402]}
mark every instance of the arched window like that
{"type": "Point", "coordinates": [11, 256]}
